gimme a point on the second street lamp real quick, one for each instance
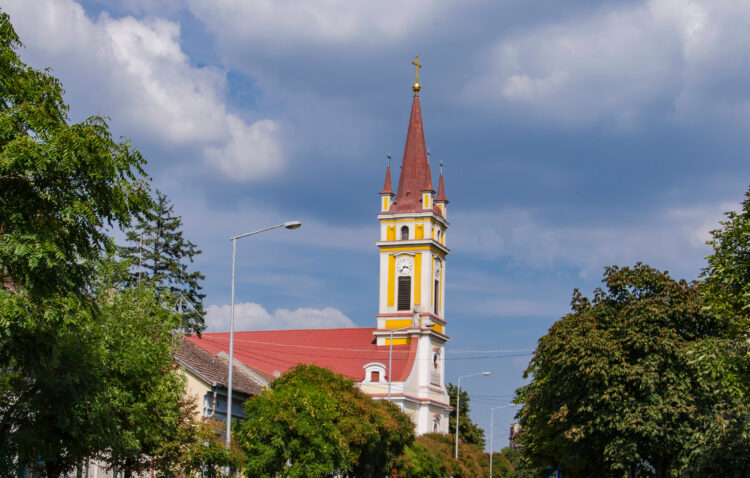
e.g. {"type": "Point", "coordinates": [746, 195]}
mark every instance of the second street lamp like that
{"type": "Point", "coordinates": [287, 225]}
{"type": "Point", "coordinates": [458, 402]}
{"type": "Point", "coordinates": [492, 424]}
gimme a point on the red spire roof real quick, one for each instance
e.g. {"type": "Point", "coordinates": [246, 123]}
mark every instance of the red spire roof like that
{"type": "Point", "coordinates": [387, 186]}
{"type": "Point", "coordinates": [415, 169]}
{"type": "Point", "coordinates": [441, 190]}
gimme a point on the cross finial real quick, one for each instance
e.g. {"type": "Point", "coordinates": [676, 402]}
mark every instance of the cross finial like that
{"type": "Point", "coordinates": [441, 166]}
{"type": "Point", "coordinates": [389, 159]}
{"type": "Point", "coordinates": [417, 66]}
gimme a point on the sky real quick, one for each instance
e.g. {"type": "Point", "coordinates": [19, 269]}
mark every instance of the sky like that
{"type": "Point", "coordinates": [575, 135]}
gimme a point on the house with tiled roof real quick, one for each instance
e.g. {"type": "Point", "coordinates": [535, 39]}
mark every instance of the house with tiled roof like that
{"type": "Point", "coordinates": [402, 358]}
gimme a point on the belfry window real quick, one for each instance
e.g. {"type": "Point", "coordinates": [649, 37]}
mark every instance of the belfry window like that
{"type": "Point", "coordinates": [405, 233]}
{"type": "Point", "coordinates": [404, 293]}
{"type": "Point", "coordinates": [437, 297]}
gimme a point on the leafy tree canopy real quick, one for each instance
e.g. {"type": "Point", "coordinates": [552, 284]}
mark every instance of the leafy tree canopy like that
{"type": "Point", "coordinates": [616, 385]}
{"type": "Point", "coordinates": [312, 422]}
{"type": "Point", "coordinates": [158, 253]}
{"type": "Point", "coordinates": [469, 432]}
{"type": "Point", "coordinates": [727, 275]}
{"type": "Point", "coordinates": [100, 385]}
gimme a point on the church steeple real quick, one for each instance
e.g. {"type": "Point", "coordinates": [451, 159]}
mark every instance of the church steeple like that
{"type": "Point", "coordinates": [412, 235]}
{"type": "Point", "coordinates": [415, 174]}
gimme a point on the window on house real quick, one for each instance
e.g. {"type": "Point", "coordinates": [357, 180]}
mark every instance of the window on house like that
{"type": "Point", "coordinates": [404, 293]}
{"type": "Point", "coordinates": [375, 376]}
{"type": "Point", "coordinates": [405, 233]}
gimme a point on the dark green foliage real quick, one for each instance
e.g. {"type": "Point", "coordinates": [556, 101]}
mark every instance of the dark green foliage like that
{"type": "Point", "coordinates": [616, 382]}
{"type": "Point", "coordinates": [469, 432]}
{"type": "Point", "coordinates": [501, 467]}
{"type": "Point", "coordinates": [431, 455]}
{"type": "Point", "coordinates": [94, 382]}
{"type": "Point", "coordinates": [727, 275]}
{"type": "Point", "coordinates": [312, 422]}
{"type": "Point", "coordinates": [421, 459]}
{"type": "Point", "coordinates": [158, 253]}
{"type": "Point", "coordinates": [519, 468]}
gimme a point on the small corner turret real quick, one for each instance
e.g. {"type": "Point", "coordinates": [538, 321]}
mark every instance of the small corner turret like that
{"type": "Point", "coordinates": [386, 194]}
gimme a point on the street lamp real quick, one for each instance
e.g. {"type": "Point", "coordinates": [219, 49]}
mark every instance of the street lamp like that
{"type": "Point", "coordinates": [287, 225]}
{"type": "Point", "coordinates": [492, 417]}
{"type": "Point", "coordinates": [425, 323]}
{"type": "Point", "coordinates": [458, 402]}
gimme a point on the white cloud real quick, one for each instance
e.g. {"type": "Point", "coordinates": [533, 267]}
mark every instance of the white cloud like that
{"type": "Point", "coordinates": [251, 316]}
{"type": "Point", "coordinates": [136, 72]}
{"type": "Point", "coordinates": [285, 22]}
{"type": "Point", "coordinates": [671, 238]}
{"type": "Point", "coordinates": [617, 63]}
{"type": "Point", "coordinates": [253, 150]}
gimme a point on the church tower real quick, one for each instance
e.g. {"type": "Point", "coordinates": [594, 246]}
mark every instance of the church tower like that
{"type": "Point", "coordinates": [412, 247]}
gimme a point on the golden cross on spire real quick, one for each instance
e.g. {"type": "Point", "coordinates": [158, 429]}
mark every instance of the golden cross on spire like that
{"type": "Point", "coordinates": [417, 66]}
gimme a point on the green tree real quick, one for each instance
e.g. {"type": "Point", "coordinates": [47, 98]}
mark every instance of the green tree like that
{"type": "Point", "coordinates": [312, 422]}
{"type": "Point", "coordinates": [85, 369]}
{"type": "Point", "coordinates": [470, 432]}
{"type": "Point", "coordinates": [99, 382]}
{"type": "Point", "coordinates": [432, 455]}
{"type": "Point", "coordinates": [724, 363]}
{"type": "Point", "coordinates": [615, 385]}
{"type": "Point", "coordinates": [158, 253]}
{"type": "Point", "coordinates": [727, 274]}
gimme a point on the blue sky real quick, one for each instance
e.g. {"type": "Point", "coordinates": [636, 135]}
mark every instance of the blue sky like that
{"type": "Point", "coordinates": [575, 135]}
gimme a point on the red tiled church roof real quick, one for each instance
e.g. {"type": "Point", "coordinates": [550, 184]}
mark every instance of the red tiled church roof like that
{"type": "Point", "coordinates": [344, 351]}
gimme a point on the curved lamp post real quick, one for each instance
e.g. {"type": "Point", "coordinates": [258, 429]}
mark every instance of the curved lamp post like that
{"type": "Point", "coordinates": [287, 225]}
{"type": "Point", "coordinates": [458, 402]}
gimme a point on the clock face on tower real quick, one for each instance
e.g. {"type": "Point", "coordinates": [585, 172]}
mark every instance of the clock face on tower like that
{"type": "Point", "coordinates": [404, 267]}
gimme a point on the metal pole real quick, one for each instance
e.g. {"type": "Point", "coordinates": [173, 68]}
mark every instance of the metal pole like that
{"type": "Point", "coordinates": [231, 350]}
{"type": "Point", "coordinates": [287, 225]}
{"type": "Point", "coordinates": [492, 430]}
{"type": "Point", "coordinates": [458, 407]}
{"type": "Point", "coordinates": [458, 402]}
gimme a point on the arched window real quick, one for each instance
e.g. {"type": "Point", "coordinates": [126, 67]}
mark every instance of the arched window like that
{"type": "Point", "coordinates": [439, 234]}
{"type": "Point", "coordinates": [405, 233]}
